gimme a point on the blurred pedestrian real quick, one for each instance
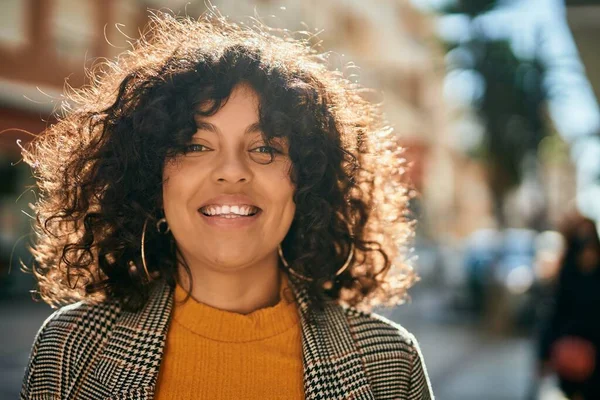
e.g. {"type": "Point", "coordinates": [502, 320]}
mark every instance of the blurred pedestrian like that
{"type": "Point", "coordinates": [210, 201]}
{"type": "Point", "coordinates": [570, 339]}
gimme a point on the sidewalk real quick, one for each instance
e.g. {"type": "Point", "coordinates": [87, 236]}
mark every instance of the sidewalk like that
{"type": "Point", "coordinates": [463, 361]}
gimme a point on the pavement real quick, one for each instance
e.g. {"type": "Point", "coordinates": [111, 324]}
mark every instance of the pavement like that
{"type": "Point", "coordinates": [464, 359]}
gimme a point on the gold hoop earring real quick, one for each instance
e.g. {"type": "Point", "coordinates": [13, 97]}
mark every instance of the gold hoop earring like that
{"type": "Point", "coordinates": [328, 284]}
{"type": "Point", "coordinates": [143, 252]}
{"type": "Point", "coordinates": [133, 268]}
{"type": "Point", "coordinates": [160, 223]}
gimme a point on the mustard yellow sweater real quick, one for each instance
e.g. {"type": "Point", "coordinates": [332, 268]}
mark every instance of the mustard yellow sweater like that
{"type": "Point", "coordinates": [215, 354]}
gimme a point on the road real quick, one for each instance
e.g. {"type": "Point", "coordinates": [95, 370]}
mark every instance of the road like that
{"type": "Point", "coordinates": [464, 360]}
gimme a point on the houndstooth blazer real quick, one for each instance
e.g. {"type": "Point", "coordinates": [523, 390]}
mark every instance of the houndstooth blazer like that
{"type": "Point", "coordinates": [100, 351]}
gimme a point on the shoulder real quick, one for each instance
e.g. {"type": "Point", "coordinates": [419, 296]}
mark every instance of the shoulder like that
{"type": "Point", "coordinates": [376, 329]}
{"type": "Point", "coordinates": [390, 353]}
{"type": "Point", "coordinates": [63, 343]}
{"type": "Point", "coordinates": [78, 318]}
{"type": "Point", "coordinates": [86, 317]}
{"type": "Point", "coordinates": [82, 321]}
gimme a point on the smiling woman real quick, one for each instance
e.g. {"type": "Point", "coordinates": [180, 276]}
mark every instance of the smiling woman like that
{"type": "Point", "coordinates": [279, 205]}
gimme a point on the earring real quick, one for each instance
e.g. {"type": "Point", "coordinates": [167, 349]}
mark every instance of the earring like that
{"type": "Point", "coordinates": [159, 226]}
{"type": "Point", "coordinates": [143, 252]}
{"type": "Point", "coordinates": [133, 268]}
{"type": "Point", "coordinates": [328, 284]}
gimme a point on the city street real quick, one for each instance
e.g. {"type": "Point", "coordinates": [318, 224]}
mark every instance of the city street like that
{"type": "Point", "coordinates": [463, 362]}
{"type": "Point", "coordinates": [461, 138]}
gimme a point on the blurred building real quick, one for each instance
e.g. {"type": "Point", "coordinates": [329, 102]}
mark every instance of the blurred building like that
{"type": "Point", "coordinates": [583, 17]}
{"type": "Point", "coordinates": [584, 22]}
{"type": "Point", "coordinates": [44, 45]}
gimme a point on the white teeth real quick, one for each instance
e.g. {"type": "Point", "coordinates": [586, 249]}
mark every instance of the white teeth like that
{"type": "Point", "coordinates": [229, 211]}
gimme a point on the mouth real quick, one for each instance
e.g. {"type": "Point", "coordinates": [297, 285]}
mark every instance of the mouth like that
{"type": "Point", "coordinates": [229, 211]}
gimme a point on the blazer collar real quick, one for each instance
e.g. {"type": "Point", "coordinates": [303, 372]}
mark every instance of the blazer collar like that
{"type": "Point", "coordinates": [333, 368]}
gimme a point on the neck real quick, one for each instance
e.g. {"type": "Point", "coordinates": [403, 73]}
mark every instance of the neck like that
{"type": "Point", "coordinates": [242, 292]}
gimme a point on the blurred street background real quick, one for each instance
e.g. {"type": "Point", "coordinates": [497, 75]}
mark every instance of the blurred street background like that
{"type": "Point", "coordinates": [495, 102]}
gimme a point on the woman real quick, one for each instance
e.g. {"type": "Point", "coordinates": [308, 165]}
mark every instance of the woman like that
{"type": "Point", "coordinates": [217, 206]}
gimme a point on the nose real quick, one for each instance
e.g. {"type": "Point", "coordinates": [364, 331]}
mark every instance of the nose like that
{"type": "Point", "coordinates": [231, 167]}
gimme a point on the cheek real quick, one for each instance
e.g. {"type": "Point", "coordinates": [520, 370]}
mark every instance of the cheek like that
{"type": "Point", "coordinates": [290, 207]}
{"type": "Point", "coordinates": [287, 199]}
{"type": "Point", "coordinates": [283, 186]}
{"type": "Point", "coordinates": [178, 197]}
{"type": "Point", "coordinates": [177, 186]}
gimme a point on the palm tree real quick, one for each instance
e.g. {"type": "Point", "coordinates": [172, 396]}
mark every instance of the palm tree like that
{"type": "Point", "coordinates": [510, 105]}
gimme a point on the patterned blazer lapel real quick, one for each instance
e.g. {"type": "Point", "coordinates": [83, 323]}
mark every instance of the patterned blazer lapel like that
{"type": "Point", "coordinates": [333, 368]}
{"type": "Point", "coordinates": [128, 367]}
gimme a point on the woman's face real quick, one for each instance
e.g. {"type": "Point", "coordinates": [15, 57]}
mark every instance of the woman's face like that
{"type": "Point", "coordinates": [228, 208]}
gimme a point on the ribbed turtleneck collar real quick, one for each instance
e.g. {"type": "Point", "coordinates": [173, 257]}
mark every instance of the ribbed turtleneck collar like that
{"type": "Point", "coordinates": [226, 326]}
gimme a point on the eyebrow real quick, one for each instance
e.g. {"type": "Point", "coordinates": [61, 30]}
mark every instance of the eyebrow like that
{"type": "Point", "coordinates": [207, 126]}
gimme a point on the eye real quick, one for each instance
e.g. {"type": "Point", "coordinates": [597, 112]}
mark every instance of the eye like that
{"type": "Point", "coordinates": [265, 150]}
{"type": "Point", "coordinates": [264, 154]}
{"type": "Point", "coordinates": [196, 148]}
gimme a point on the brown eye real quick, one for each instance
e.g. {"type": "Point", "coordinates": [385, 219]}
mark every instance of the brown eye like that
{"type": "Point", "coordinates": [265, 149]}
{"type": "Point", "coordinates": [196, 148]}
{"type": "Point", "coordinates": [263, 154]}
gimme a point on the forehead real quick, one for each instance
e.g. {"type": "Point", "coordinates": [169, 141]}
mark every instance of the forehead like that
{"type": "Point", "coordinates": [242, 101]}
{"type": "Point", "coordinates": [238, 115]}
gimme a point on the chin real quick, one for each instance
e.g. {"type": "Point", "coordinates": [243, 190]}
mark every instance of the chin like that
{"type": "Point", "coordinates": [230, 259]}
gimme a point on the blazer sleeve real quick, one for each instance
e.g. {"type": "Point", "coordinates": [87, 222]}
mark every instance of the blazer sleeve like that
{"type": "Point", "coordinates": [420, 386]}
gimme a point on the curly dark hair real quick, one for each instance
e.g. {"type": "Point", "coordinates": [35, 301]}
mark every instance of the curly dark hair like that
{"type": "Point", "coordinates": [99, 168]}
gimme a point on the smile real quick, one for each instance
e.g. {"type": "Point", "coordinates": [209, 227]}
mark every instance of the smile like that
{"type": "Point", "coordinates": [229, 211]}
{"type": "Point", "coordinates": [221, 218]}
